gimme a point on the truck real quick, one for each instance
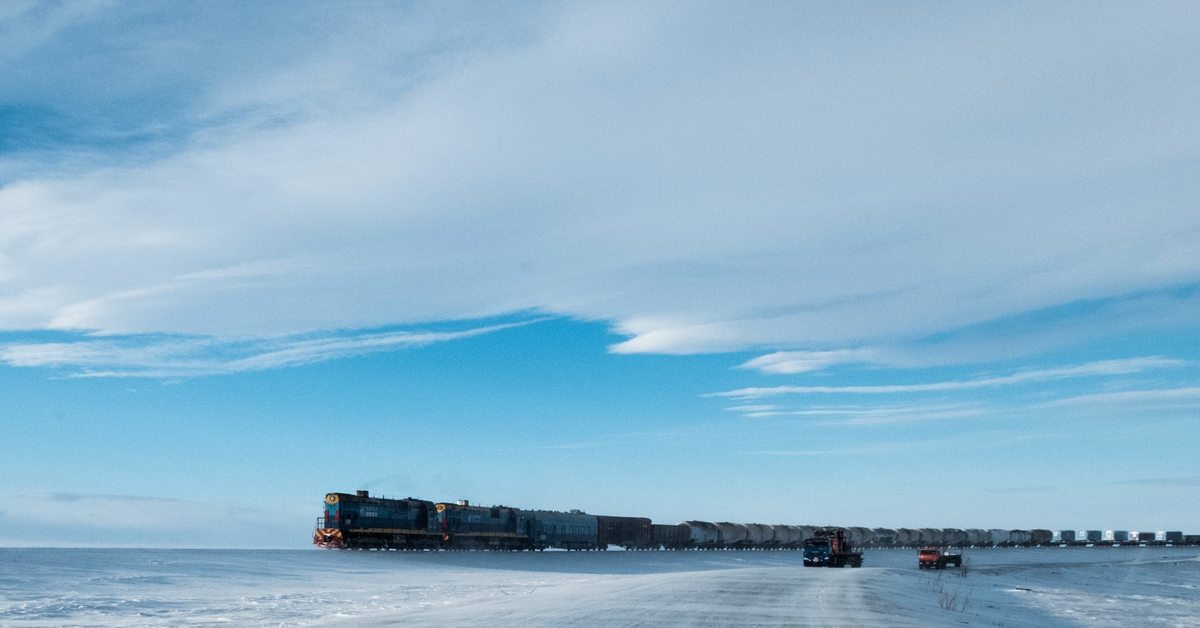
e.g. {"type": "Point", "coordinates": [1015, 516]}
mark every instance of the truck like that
{"type": "Point", "coordinates": [829, 547]}
{"type": "Point", "coordinates": [938, 558]}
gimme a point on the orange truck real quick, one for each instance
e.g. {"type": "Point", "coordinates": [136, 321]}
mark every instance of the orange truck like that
{"type": "Point", "coordinates": [938, 558]}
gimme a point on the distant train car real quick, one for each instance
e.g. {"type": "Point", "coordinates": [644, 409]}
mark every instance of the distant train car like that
{"type": "Point", "coordinates": [730, 534]}
{"type": "Point", "coordinates": [791, 537]}
{"type": "Point", "coordinates": [977, 537]}
{"type": "Point", "coordinates": [702, 534]}
{"type": "Point", "coordinates": [759, 535]}
{"type": "Point", "coordinates": [861, 536]}
{"type": "Point", "coordinates": [675, 537]}
{"type": "Point", "coordinates": [462, 526]}
{"type": "Point", "coordinates": [954, 537]}
{"type": "Point", "coordinates": [627, 532]}
{"type": "Point", "coordinates": [573, 530]}
{"type": "Point", "coordinates": [885, 537]}
{"type": "Point", "coordinates": [362, 521]}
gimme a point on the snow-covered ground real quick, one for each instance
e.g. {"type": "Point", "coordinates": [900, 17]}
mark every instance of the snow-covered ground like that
{"type": "Point", "coordinates": [1001, 587]}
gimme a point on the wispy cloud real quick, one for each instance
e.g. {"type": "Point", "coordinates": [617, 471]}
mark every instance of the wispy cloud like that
{"type": "Point", "coordinates": [1188, 394]}
{"type": "Point", "coordinates": [791, 362]}
{"type": "Point", "coordinates": [877, 415]}
{"type": "Point", "coordinates": [754, 408]}
{"type": "Point", "coordinates": [865, 450]}
{"type": "Point", "coordinates": [1187, 481]}
{"type": "Point", "coordinates": [1090, 369]}
{"type": "Point", "coordinates": [191, 357]}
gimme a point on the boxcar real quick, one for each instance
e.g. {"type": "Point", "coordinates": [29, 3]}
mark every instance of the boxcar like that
{"type": "Point", "coordinates": [678, 536]}
{"type": "Point", "coordinates": [626, 532]}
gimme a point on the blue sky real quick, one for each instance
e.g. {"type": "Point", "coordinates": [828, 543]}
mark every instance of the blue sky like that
{"type": "Point", "coordinates": [806, 264]}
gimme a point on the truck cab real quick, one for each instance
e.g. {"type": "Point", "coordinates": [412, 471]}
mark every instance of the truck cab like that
{"type": "Point", "coordinates": [938, 558]}
{"type": "Point", "coordinates": [829, 548]}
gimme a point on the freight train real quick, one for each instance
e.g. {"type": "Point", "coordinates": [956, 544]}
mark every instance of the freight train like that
{"type": "Point", "coordinates": [360, 521]}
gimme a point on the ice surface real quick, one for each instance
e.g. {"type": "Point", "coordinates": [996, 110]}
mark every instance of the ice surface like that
{"type": "Point", "coordinates": [1002, 587]}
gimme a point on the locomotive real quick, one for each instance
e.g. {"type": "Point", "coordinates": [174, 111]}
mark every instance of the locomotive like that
{"type": "Point", "coordinates": [361, 521]}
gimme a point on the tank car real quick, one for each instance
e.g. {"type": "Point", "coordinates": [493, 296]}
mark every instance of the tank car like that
{"type": "Point", "coordinates": [1019, 537]}
{"type": "Point", "coordinates": [861, 536]}
{"type": "Point", "coordinates": [701, 534]}
{"type": "Point", "coordinates": [908, 537]}
{"type": "Point", "coordinates": [884, 537]}
{"type": "Point", "coordinates": [954, 537]}
{"type": "Point", "coordinates": [731, 535]}
{"type": "Point", "coordinates": [787, 536]}
{"type": "Point", "coordinates": [759, 535]}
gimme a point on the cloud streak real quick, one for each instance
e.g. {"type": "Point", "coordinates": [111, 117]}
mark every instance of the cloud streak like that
{"type": "Point", "coordinates": [1091, 369]}
{"type": "Point", "coordinates": [874, 415]}
{"type": "Point", "coordinates": [193, 357]}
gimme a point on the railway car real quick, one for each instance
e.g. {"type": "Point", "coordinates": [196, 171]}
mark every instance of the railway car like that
{"type": "Point", "coordinates": [678, 536]}
{"type": "Point", "coordinates": [462, 526]}
{"type": "Point", "coordinates": [954, 537]}
{"type": "Point", "coordinates": [885, 537]}
{"type": "Point", "coordinates": [759, 535]}
{"type": "Point", "coordinates": [730, 534]}
{"type": "Point", "coordinates": [574, 530]}
{"type": "Point", "coordinates": [631, 533]}
{"type": "Point", "coordinates": [861, 536]}
{"type": "Point", "coordinates": [908, 537]}
{"type": "Point", "coordinates": [788, 537]}
{"type": "Point", "coordinates": [360, 521]}
{"type": "Point", "coordinates": [702, 534]}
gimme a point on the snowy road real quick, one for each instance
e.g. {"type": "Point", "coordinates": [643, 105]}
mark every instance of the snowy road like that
{"type": "Point", "coordinates": [744, 597]}
{"type": "Point", "coordinates": [1013, 588]}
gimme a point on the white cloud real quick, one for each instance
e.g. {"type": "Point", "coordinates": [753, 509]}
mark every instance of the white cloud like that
{"type": "Point", "coordinates": [1091, 369]}
{"type": "Point", "coordinates": [755, 407]}
{"type": "Point", "coordinates": [1148, 398]}
{"type": "Point", "coordinates": [874, 415]}
{"type": "Point", "coordinates": [792, 362]}
{"type": "Point", "coordinates": [189, 357]}
{"type": "Point", "coordinates": [764, 177]}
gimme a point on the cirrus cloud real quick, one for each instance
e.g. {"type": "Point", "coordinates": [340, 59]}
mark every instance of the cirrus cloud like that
{"type": "Point", "coordinates": [770, 177]}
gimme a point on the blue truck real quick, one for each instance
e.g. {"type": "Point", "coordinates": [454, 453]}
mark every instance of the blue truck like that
{"type": "Point", "coordinates": [829, 547]}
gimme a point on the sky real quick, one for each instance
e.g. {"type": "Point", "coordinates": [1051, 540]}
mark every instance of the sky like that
{"type": "Point", "coordinates": [874, 264]}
